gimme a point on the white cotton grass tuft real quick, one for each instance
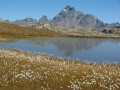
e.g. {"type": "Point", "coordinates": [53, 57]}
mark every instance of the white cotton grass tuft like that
{"type": "Point", "coordinates": [49, 73]}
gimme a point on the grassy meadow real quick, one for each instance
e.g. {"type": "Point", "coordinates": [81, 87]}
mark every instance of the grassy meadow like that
{"type": "Point", "coordinates": [25, 71]}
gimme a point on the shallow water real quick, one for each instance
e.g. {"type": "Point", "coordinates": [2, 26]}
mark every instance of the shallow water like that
{"type": "Point", "coordinates": [85, 49]}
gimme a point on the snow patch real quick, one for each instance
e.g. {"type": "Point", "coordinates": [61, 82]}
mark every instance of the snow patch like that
{"type": "Point", "coordinates": [65, 10]}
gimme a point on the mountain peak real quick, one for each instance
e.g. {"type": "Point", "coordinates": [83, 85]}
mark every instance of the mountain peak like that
{"type": "Point", "coordinates": [43, 19]}
{"type": "Point", "coordinates": [28, 19]}
{"type": "Point", "coordinates": [69, 17]}
{"type": "Point", "coordinates": [68, 7]}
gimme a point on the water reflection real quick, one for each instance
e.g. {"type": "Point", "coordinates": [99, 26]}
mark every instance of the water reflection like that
{"type": "Point", "coordinates": [91, 49]}
{"type": "Point", "coordinates": [68, 46]}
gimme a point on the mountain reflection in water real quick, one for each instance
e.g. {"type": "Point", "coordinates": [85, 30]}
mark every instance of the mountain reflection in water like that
{"type": "Point", "coordinates": [82, 48]}
{"type": "Point", "coordinates": [67, 46]}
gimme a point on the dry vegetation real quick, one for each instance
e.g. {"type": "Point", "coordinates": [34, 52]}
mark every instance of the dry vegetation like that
{"type": "Point", "coordinates": [9, 31]}
{"type": "Point", "coordinates": [24, 71]}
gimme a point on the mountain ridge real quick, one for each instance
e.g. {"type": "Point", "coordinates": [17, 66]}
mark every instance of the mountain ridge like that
{"type": "Point", "coordinates": [67, 18]}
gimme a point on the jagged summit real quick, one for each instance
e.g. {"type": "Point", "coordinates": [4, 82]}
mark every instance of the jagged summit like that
{"type": "Point", "coordinates": [68, 7]}
{"type": "Point", "coordinates": [43, 19]}
{"type": "Point", "coordinates": [69, 17]}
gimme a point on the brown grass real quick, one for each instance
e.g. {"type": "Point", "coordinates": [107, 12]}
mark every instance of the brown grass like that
{"type": "Point", "coordinates": [5, 39]}
{"type": "Point", "coordinates": [11, 30]}
{"type": "Point", "coordinates": [24, 71]}
{"type": "Point", "coordinates": [8, 30]}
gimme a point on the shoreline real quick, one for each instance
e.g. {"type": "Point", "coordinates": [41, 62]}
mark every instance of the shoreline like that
{"type": "Point", "coordinates": [26, 71]}
{"type": "Point", "coordinates": [20, 70]}
{"type": "Point", "coordinates": [58, 58]}
{"type": "Point", "coordinates": [8, 39]}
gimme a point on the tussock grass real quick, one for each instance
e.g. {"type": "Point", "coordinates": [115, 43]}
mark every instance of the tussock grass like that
{"type": "Point", "coordinates": [24, 71]}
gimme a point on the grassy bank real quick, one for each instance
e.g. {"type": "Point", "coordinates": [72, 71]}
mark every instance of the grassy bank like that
{"type": "Point", "coordinates": [9, 31]}
{"type": "Point", "coordinates": [5, 39]}
{"type": "Point", "coordinates": [24, 71]}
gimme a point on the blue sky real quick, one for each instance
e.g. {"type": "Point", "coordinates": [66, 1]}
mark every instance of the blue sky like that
{"type": "Point", "coordinates": [106, 10]}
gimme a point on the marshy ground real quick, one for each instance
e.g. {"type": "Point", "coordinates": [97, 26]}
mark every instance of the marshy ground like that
{"type": "Point", "coordinates": [25, 71]}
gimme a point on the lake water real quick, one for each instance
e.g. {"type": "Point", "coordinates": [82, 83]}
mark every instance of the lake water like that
{"type": "Point", "coordinates": [84, 49]}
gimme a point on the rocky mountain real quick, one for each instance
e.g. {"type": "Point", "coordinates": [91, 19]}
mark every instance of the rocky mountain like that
{"type": "Point", "coordinates": [26, 22]}
{"type": "Point", "coordinates": [114, 25]}
{"type": "Point", "coordinates": [69, 17]}
{"type": "Point", "coordinates": [31, 22]}
{"type": "Point", "coordinates": [43, 19]}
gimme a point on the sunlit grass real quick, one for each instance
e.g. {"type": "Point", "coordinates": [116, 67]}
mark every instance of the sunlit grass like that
{"type": "Point", "coordinates": [24, 71]}
{"type": "Point", "coordinates": [5, 39]}
{"type": "Point", "coordinates": [8, 30]}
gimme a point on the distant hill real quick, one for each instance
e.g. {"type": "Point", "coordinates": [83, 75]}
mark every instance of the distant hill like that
{"type": "Point", "coordinates": [26, 22]}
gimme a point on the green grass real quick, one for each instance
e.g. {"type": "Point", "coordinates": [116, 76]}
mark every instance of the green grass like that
{"type": "Point", "coordinates": [24, 71]}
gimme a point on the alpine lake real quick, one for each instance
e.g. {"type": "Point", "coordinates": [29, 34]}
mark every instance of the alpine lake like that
{"type": "Point", "coordinates": [98, 50]}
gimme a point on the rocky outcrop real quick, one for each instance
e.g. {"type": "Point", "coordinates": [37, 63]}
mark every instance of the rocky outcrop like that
{"type": "Point", "coordinates": [43, 23]}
